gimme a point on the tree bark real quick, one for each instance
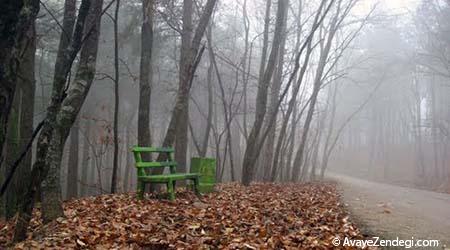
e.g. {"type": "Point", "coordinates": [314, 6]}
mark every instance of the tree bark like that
{"type": "Point", "coordinates": [177, 129]}
{"type": "Point", "coordinates": [185, 60]}
{"type": "Point", "coordinates": [265, 46]}
{"type": "Point", "coordinates": [116, 100]}
{"type": "Point", "coordinates": [209, 79]}
{"type": "Point", "coordinates": [251, 151]}
{"type": "Point", "coordinates": [16, 18]}
{"type": "Point", "coordinates": [21, 122]}
{"type": "Point", "coordinates": [273, 107]}
{"type": "Point", "coordinates": [145, 76]}
{"type": "Point", "coordinates": [61, 115]}
{"type": "Point", "coordinates": [69, 108]}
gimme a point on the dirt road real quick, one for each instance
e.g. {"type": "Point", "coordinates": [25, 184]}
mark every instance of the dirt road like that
{"type": "Point", "coordinates": [390, 211]}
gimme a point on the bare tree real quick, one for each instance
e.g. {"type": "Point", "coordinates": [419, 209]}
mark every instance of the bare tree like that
{"type": "Point", "coordinates": [250, 156]}
{"type": "Point", "coordinates": [324, 53]}
{"type": "Point", "coordinates": [116, 99]}
{"type": "Point", "coordinates": [190, 54]}
{"type": "Point", "coordinates": [62, 112]}
{"type": "Point", "coordinates": [274, 96]}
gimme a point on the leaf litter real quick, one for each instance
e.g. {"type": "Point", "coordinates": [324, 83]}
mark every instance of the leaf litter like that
{"type": "Point", "coordinates": [262, 216]}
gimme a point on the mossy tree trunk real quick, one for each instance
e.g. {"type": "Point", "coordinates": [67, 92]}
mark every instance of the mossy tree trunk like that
{"type": "Point", "coordinates": [62, 111]}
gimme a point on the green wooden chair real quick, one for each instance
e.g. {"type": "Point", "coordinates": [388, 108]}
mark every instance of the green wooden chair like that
{"type": "Point", "coordinates": [145, 177]}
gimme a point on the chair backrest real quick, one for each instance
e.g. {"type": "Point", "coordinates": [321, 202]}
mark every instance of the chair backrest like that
{"type": "Point", "coordinates": [141, 165]}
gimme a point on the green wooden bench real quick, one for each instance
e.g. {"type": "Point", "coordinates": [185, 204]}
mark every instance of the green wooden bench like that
{"type": "Point", "coordinates": [145, 177]}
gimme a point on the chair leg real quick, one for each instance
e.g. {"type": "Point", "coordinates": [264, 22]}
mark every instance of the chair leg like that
{"type": "Point", "coordinates": [196, 183]}
{"type": "Point", "coordinates": [171, 190]}
{"type": "Point", "coordinates": [140, 190]}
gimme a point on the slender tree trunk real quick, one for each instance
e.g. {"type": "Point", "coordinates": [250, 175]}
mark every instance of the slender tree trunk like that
{"type": "Point", "coordinates": [128, 155]}
{"type": "Point", "coordinates": [265, 46]}
{"type": "Point", "coordinates": [226, 109]}
{"type": "Point", "coordinates": [177, 128]}
{"type": "Point", "coordinates": [209, 79]}
{"type": "Point", "coordinates": [116, 101]}
{"type": "Point", "coordinates": [324, 161]}
{"type": "Point", "coordinates": [72, 169]}
{"type": "Point", "coordinates": [292, 102]}
{"type": "Point", "coordinates": [128, 163]}
{"type": "Point", "coordinates": [245, 71]}
{"type": "Point", "coordinates": [274, 96]}
{"type": "Point", "coordinates": [316, 146]}
{"type": "Point", "coordinates": [251, 152]}
{"type": "Point", "coordinates": [186, 58]}
{"type": "Point", "coordinates": [145, 79]}
{"type": "Point", "coordinates": [85, 159]}
{"type": "Point", "coordinates": [434, 130]}
{"type": "Point", "coordinates": [316, 88]}
{"type": "Point", "coordinates": [291, 148]}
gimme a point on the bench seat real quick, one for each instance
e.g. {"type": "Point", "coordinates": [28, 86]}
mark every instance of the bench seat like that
{"type": "Point", "coordinates": [165, 177]}
{"type": "Point", "coordinates": [144, 170]}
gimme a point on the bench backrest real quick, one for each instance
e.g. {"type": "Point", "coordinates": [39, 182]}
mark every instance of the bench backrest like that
{"type": "Point", "coordinates": [141, 165]}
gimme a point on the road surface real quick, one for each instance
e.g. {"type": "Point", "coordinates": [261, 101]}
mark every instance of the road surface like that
{"type": "Point", "coordinates": [389, 211]}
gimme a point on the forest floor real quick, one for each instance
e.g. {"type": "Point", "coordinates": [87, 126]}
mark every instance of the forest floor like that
{"type": "Point", "coordinates": [262, 216]}
{"type": "Point", "coordinates": [389, 211]}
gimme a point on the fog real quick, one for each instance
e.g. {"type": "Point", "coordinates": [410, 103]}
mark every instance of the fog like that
{"type": "Point", "coordinates": [380, 113]}
{"type": "Point", "coordinates": [277, 91]}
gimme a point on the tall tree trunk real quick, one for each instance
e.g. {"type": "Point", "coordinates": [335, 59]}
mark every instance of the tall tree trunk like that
{"type": "Point", "coordinates": [20, 129]}
{"type": "Point", "coordinates": [145, 76]}
{"type": "Point", "coordinates": [72, 169]}
{"type": "Point", "coordinates": [128, 155]}
{"type": "Point", "coordinates": [209, 79]}
{"type": "Point", "coordinates": [61, 115]}
{"type": "Point", "coordinates": [265, 46]}
{"type": "Point", "coordinates": [274, 96]}
{"type": "Point", "coordinates": [186, 57]}
{"type": "Point", "coordinates": [51, 186]}
{"type": "Point", "coordinates": [251, 151]}
{"type": "Point", "coordinates": [245, 71]}
{"type": "Point", "coordinates": [316, 146]}
{"type": "Point", "coordinates": [177, 129]}
{"type": "Point", "coordinates": [226, 109]}
{"type": "Point", "coordinates": [85, 159]}
{"type": "Point", "coordinates": [69, 108]}
{"type": "Point", "coordinates": [128, 163]}
{"type": "Point", "coordinates": [434, 129]}
{"type": "Point", "coordinates": [324, 161]}
{"type": "Point", "coordinates": [290, 151]}
{"type": "Point", "coordinates": [420, 162]}
{"type": "Point", "coordinates": [116, 100]}
{"type": "Point", "coordinates": [16, 18]}
{"type": "Point", "coordinates": [316, 88]}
